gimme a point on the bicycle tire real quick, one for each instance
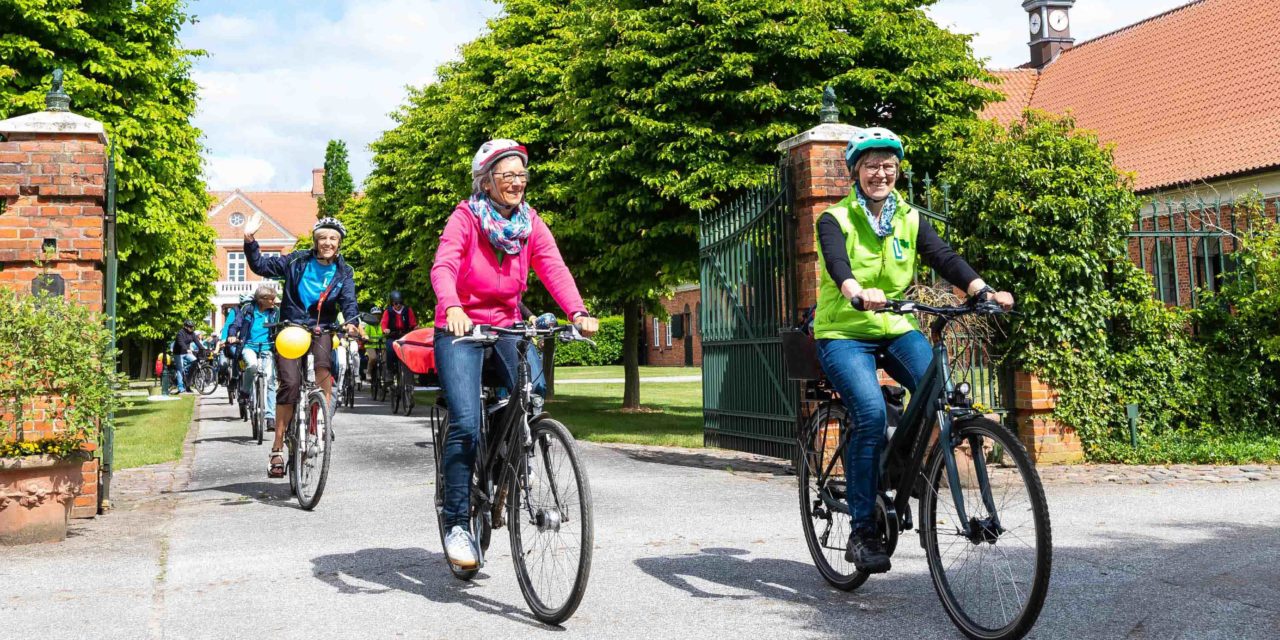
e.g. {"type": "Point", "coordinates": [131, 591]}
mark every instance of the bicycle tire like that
{"type": "Point", "coordinates": [440, 431]}
{"type": "Point", "coordinates": [314, 447]}
{"type": "Point", "coordinates": [232, 385]}
{"type": "Point", "coordinates": [203, 379]}
{"type": "Point", "coordinates": [407, 386]}
{"type": "Point", "coordinates": [827, 552]}
{"type": "Point", "coordinates": [552, 508]}
{"type": "Point", "coordinates": [260, 386]}
{"type": "Point", "coordinates": [1033, 550]}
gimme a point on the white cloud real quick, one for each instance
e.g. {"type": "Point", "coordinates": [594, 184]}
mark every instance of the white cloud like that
{"type": "Point", "coordinates": [278, 86]}
{"type": "Point", "coordinates": [238, 172]}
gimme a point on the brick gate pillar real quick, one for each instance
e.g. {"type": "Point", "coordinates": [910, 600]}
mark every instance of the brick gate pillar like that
{"type": "Point", "coordinates": [53, 168]}
{"type": "Point", "coordinates": [819, 179]}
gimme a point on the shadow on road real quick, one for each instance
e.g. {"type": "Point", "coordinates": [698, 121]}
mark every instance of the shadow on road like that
{"type": "Point", "coordinates": [1118, 586]}
{"type": "Point", "coordinates": [415, 571]}
{"type": "Point", "coordinates": [241, 440]}
{"type": "Point", "coordinates": [275, 493]}
{"type": "Point", "coordinates": [686, 458]}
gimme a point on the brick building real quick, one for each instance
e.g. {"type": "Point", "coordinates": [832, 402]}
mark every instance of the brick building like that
{"type": "Point", "coordinates": [1183, 98]}
{"type": "Point", "coordinates": [677, 341]}
{"type": "Point", "coordinates": [287, 216]}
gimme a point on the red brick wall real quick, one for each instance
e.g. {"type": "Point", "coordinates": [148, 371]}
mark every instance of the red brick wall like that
{"type": "Point", "coordinates": [53, 186]}
{"type": "Point", "coordinates": [819, 179]}
{"type": "Point", "coordinates": [660, 355]}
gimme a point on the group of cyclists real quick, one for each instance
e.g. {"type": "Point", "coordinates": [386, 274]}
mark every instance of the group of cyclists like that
{"type": "Point", "coordinates": [870, 244]}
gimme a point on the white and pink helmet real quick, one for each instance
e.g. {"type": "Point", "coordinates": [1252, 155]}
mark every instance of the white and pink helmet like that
{"type": "Point", "coordinates": [493, 151]}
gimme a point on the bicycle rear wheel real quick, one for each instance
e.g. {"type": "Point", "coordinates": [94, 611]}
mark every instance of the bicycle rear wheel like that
{"type": "Point", "coordinates": [203, 379]}
{"type": "Point", "coordinates": [823, 513]}
{"type": "Point", "coordinates": [407, 379]}
{"type": "Point", "coordinates": [260, 412]}
{"type": "Point", "coordinates": [552, 532]}
{"type": "Point", "coordinates": [311, 455]}
{"type": "Point", "coordinates": [993, 581]}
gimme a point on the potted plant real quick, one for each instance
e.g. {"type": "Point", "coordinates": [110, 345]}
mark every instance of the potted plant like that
{"type": "Point", "coordinates": [57, 386]}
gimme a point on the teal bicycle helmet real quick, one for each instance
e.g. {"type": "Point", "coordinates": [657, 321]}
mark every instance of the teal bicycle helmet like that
{"type": "Point", "coordinates": [872, 138]}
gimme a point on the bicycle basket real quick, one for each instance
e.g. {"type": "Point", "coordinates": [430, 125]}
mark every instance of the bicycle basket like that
{"type": "Point", "coordinates": [800, 352]}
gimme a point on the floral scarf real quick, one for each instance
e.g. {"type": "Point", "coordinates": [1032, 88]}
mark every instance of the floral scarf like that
{"type": "Point", "coordinates": [507, 235]}
{"type": "Point", "coordinates": [884, 226]}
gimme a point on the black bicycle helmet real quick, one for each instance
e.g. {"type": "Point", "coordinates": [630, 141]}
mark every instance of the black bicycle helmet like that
{"type": "Point", "coordinates": [396, 298]}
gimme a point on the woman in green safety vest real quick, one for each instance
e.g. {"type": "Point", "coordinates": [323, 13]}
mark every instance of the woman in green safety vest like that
{"type": "Point", "coordinates": [869, 244]}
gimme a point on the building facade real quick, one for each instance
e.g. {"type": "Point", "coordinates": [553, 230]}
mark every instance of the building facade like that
{"type": "Point", "coordinates": [676, 341]}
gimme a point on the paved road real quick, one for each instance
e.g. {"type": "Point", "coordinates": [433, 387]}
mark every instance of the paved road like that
{"type": "Point", "coordinates": [685, 548]}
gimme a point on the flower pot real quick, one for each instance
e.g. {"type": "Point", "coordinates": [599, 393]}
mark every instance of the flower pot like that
{"type": "Point", "coordinates": [36, 496]}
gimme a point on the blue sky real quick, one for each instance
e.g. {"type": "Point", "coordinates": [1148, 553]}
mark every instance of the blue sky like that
{"type": "Point", "coordinates": [285, 76]}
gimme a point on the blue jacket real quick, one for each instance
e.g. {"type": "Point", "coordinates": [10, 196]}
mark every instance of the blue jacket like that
{"type": "Point", "coordinates": [340, 296]}
{"type": "Point", "coordinates": [244, 321]}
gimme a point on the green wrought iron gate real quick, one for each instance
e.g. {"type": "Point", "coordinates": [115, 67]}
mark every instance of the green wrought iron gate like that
{"type": "Point", "coordinates": [748, 282]}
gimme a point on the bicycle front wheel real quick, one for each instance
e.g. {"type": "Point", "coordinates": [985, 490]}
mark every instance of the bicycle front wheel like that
{"type": "Point", "coordinates": [314, 445]}
{"type": "Point", "coordinates": [552, 533]}
{"type": "Point", "coordinates": [993, 579]}
{"type": "Point", "coordinates": [204, 380]}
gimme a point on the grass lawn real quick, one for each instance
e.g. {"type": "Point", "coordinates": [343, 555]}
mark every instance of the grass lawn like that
{"type": "Point", "coordinates": [151, 432]}
{"type": "Point", "coordinates": [672, 415]}
{"type": "Point", "coordinates": [615, 371]}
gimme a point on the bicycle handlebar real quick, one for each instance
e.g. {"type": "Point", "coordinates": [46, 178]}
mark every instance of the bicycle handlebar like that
{"type": "Point", "coordinates": [486, 333]}
{"type": "Point", "coordinates": [984, 307]}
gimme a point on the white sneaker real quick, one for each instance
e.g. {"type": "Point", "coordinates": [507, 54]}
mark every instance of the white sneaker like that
{"type": "Point", "coordinates": [460, 548]}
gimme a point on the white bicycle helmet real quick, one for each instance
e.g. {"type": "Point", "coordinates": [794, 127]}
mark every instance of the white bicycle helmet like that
{"type": "Point", "coordinates": [871, 138]}
{"type": "Point", "coordinates": [493, 151]}
{"type": "Point", "coordinates": [330, 223]}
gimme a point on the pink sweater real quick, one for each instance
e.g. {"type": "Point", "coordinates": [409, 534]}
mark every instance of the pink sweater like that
{"type": "Point", "coordinates": [467, 272]}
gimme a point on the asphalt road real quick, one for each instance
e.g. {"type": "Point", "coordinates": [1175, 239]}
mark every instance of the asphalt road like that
{"type": "Point", "coordinates": [682, 550]}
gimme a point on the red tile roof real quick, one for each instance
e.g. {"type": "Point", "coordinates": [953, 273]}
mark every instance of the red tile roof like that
{"type": "Point", "coordinates": [1186, 96]}
{"type": "Point", "coordinates": [293, 210]}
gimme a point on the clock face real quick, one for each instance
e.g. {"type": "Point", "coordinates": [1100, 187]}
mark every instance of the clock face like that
{"type": "Point", "coordinates": [1058, 20]}
{"type": "Point", "coordinates": [237, 219]}
{"type": "Point", "coordinates": [1034, 25]}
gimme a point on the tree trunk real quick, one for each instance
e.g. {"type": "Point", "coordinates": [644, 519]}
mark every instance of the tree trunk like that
{"type": "Point", "coordinates": [147, 362]}
{"type": "Point", "coordinates": [631, 354]}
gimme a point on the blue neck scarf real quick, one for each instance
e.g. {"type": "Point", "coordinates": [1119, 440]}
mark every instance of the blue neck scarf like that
{"type": "Point", "coordinates": [884, 226]}
{"type": "Point", "coordinates": [508, 235]}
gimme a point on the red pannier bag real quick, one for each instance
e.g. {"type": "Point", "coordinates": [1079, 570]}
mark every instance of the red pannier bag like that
{"type": "Point", "coordinates": [416, 350]}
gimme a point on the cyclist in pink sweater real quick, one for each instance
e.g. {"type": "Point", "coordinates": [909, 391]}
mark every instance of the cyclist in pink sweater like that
{"type": "Point", "coordinates": [481, 269]}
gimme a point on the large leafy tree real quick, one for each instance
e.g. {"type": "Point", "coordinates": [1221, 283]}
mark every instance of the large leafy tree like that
{"type": "Point", "coordinates": [676, 106]}
{"type": "Point", "coordinates": [338, 185]}
{"type": "Point", "coordinates": [124, 67]}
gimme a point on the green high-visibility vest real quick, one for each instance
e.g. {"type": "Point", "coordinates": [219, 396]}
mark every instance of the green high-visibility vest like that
{"type": "Point", "coordinates": [887, 263]}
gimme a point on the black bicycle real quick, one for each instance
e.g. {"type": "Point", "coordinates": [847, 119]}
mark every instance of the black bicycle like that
{"type": "Point", "coordinates": [984, 519]}
{"type": "Point", "coordinates": [402, 392]}
{"type": "Point", "coordinates": [256, 403]}
{"type": "Point", "coordinates": [204, 375]}
{"type": "Point", "coordinates": [528, 461]}
{"type": "Point", "coordinates": [233, 375]}
{"type": "Point", "coordinates": [309, 437]}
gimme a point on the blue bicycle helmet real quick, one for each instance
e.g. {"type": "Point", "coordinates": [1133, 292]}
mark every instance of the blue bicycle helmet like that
{"type": "Point", "coordinates": [873, 138]}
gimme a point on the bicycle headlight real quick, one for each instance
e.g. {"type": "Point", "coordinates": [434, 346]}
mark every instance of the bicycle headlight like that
{"type": "Point", "coordinates": [963, 388]}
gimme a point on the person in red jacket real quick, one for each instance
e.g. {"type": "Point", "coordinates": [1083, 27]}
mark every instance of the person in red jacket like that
{"type": "Point", "coordinates": [397, 320]}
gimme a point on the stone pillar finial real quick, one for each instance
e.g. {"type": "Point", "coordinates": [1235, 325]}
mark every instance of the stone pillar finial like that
{"type": "Point", "coordinates": [829, 113]}
{"type": "Point", "coordinates": [57, 99]}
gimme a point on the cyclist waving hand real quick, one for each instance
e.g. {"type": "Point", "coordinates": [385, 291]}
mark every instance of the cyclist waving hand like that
{"type": "Point", "coordinates": [870, 244]}
{"type": "Point", "coordinates": [318, 284]}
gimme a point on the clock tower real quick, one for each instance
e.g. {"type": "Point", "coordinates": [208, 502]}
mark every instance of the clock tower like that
{"type": "Point", "coordinates": [1049, 23]}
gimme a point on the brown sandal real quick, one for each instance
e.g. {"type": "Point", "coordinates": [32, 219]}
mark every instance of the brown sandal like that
{"type": "Point", "coordinates": [277, 468]}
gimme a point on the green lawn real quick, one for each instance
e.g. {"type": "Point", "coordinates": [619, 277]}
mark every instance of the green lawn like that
{"type": "Point", "coordinates": [151, 432]}
{"type": "Point", "coordinates": [615, 371]}
{"type": "Point", "coordinates": [672, 415]}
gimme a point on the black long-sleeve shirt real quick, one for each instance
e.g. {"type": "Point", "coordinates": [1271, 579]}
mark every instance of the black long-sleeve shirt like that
{"type": "Point", "coordinates": [933, 250]}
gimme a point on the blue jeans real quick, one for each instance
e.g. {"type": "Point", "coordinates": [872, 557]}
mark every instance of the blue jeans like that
{"type": "Point", "coordinates": [184, 370]}
{"type": "Point", "coordinates": [460, 365]}
{"type": "Point", "coordinates": [851, 366]}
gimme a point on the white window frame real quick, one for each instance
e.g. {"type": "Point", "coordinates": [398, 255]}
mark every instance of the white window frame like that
{"type": "Point", "coordinates": [668, 334]}
{"type": "Point", "coordinates": [657, 336]}
{"type": "Point", "coordinates": [236, 262]}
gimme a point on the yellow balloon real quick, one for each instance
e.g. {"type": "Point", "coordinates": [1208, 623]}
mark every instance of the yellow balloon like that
{"type": "Point", "coordinates": [293, 342]}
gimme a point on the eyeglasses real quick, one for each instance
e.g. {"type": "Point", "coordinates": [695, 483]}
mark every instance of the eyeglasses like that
{"type": "Point", "coordinates": [513, 176]}
{"type": "Point", "coordinates": [888, 169]}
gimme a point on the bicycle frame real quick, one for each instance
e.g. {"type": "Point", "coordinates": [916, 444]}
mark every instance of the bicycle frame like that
{"type": "Point", "coordinates": [911, 441]}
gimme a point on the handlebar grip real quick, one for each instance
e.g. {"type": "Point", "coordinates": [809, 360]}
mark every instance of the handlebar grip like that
{"type": "Point", "coordinates": [856, 303]}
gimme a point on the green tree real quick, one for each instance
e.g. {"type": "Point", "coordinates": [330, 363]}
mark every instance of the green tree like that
{"type": "Point", "coordinates": [675, 107]}
{"type": "Point", "coordinates": [124, 67]}
{"type": "Point", "coordinates": [338, 185]}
